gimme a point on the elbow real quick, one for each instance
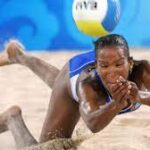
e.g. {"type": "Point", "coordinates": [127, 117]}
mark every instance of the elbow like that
{"type": "Point", "coordinates": [94, 126]}
{"type": "Point", "coordinates": [94, 123]}
{"type": "Point", "coordinates": [94, 130]}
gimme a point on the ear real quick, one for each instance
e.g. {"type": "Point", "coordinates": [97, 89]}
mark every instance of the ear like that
{"type": "Point", "coordinates": [131, 64]}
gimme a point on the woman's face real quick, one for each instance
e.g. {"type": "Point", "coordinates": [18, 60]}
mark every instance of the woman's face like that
{"type": "Point", "coordinates": [112, 63]}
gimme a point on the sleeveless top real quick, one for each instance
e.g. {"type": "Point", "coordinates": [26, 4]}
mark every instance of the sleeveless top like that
{"type": "Point", "coordinates": [79, 63]}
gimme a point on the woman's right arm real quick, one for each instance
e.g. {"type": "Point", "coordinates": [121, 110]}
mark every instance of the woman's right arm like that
{"type": "Point", "coordinates": [96, 116]}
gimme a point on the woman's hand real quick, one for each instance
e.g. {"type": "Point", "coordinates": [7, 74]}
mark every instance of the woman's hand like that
{"type": "Point", "coordinates": [130, 88]}
{"type": "Point", "coordinates": [133, 91]}
{"type": "Point", "coordinates": [134, 95]}
{"type": "Point", "coordinates": [120, 92]}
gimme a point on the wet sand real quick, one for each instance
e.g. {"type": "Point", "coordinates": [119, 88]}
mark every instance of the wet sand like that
{"type": "Point", "coordinates": [19, 86]}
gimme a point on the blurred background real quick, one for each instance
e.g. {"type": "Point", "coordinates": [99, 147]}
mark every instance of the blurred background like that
{"type": "Point", "coordinates": [48, 24]}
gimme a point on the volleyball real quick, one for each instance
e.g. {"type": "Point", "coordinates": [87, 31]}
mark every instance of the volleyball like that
{"type": "Point", "coordinates": [96, 17]}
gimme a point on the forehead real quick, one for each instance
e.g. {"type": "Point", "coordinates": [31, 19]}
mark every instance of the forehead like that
{"type": "Point", "coordinates": [110, 52]}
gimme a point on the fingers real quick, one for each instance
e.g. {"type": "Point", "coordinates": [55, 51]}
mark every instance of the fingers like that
{"type": "Point", "coordinates": [134, 93]}
{"type": "Point", "coordinates": [125, 88]}
{"type": "Point", "coordinates": [121, 90]}
{"type": "Point", "coordinates": [119, 82]}
{"type": "Point", "coordinates": [119, 86]}
{"type": "Point", "coordinates": [121, 79]}
{"type": "Point", "coordinates": [122, 93]}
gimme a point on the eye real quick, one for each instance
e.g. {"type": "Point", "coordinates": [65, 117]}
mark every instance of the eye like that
{"type": "Point", "coordinates": [103, 65]}
{"type": "Point", "coordinates": [120, 64]}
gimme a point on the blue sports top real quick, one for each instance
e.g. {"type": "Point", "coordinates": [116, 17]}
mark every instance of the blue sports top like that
{"type": "Point", "coordinates": [79, 63]}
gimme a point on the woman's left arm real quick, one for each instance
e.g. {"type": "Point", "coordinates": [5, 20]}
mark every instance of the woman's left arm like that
{"type": "Point", "coordinates": [136, 95]}
{"type": "Point", "coordinates": [144, 97]}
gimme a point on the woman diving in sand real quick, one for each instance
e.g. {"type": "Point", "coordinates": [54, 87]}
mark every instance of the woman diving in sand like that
{"type": "Point", "coordinates": [96, 85]}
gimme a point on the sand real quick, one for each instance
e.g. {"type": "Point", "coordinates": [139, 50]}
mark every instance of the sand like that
{"type": "Point", "coordinates": [19, 86]}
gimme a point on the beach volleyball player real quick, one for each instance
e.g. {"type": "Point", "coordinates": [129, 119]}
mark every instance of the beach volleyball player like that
{"type": "Point", "coordinates": [96, 85]}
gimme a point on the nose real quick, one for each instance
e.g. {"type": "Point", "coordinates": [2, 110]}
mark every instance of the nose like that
{"type": "Point", "coordinates": [112, 76]}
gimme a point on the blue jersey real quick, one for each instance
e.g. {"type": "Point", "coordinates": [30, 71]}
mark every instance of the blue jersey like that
{"type": "Point", "coordinates": [79, 63]}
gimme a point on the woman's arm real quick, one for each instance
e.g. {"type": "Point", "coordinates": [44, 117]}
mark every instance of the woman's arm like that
{"type": "Point", "coordinates": [136, 95]}
{"type": "Point", "coordinates": [96, 115]}
{"type": "Point", "coordinates": [96, 120]}
{"type": "Point", "coordinates": [144, 97]}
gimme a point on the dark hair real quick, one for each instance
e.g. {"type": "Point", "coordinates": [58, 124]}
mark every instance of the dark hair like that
{"type": "Point", "coordinates": [111, 40]}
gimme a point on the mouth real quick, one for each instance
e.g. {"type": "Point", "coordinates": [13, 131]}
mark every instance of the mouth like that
{"type": "Point", "coordinates": [109, 85]}
{"type": "Point", "coordinates": [111, 82]}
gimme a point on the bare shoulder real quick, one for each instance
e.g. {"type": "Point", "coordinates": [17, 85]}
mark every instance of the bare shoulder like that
{"type": "Point", "coordinates": [146, 74]}
{"type": "Point", "coordinates": [87, 78]}
{"type": "Point", "coordinates": [141, 67]}
{"type": "Point", "coordinates": [146, 65]}
{"type": "Point", "coordinates": [89, 91]}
